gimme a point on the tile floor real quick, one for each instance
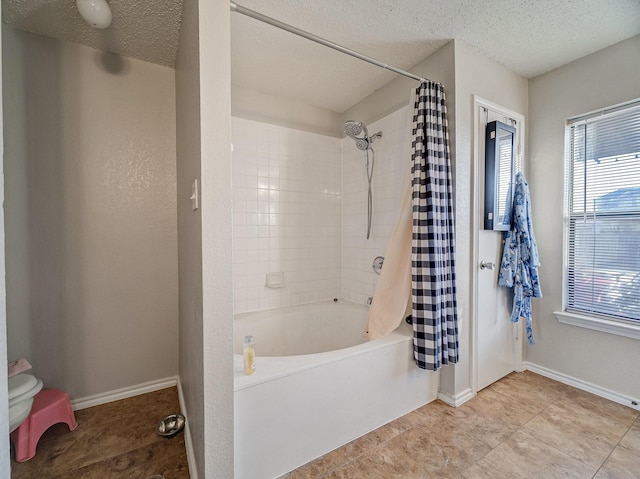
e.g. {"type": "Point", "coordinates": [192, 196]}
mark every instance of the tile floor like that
{"type": "Point", "coordinates": [523, 426]}
{"type": "Point", "coordinates": [115, 440]}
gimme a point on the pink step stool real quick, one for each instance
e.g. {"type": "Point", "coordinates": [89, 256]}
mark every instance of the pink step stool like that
{"type": "Point", "coordinates": [50, 406]}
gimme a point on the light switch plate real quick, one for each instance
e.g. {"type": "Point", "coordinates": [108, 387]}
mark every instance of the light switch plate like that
{"type": "Point", "coordinates": [194, 195]}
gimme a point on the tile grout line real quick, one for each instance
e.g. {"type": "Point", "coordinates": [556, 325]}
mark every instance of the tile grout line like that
{"type": "Point", "coordinates": [377, 446]}
{"type": "Point", "coordinates": [564, 396]}
{"type": "Point", "coordinates": [519, 428]}
{"type": "Point", "coordinates": [555, 397]}
{"type": "Point", "coordinates": [491, 448]}
{"type": "Point", "coordinates": [368, 450]}
{"type": "Point", "coordinates": [616, 446]}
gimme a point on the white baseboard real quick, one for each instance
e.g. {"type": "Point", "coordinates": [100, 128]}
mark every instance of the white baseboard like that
{"type": "Point", "coordinates": [191, 457]}
{"type": "Point", "coordinates": [584, 385]}
{"type": "Point", "coordinates": [457, 400]}
{"type": "Point", "coordinates": [124, 393]}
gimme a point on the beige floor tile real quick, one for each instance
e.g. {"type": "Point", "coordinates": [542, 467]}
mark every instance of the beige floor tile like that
{"type": "Point", "coordinates": [631, 439]}
{"type": "Point", "coordinates": [353, 450]}
{"type": "Point", "coordinates": [602, 407]}
{"type": "Point", "coordinates": [538, 429]}
{"type": "Point", "coordinates": [103, 432]}
{"type": "Point", "coordinates": [529, 388]}
{"type": "Point", "coordinates": [525, 457]}
{"type": "Point", "coordinates": [348, 452]}
{"type": "Point", "coordinates": [433, 408]}
{"type": "Point", "coordinates": [579, 429]}
{"type": "Point", "coordinates": [421, 452]}
{"type": "Point", "coordinates": [492, 417]}
{"type": "Point", "coordinates": [362, 468]}
{"type": "Point", "coordinates": [165, 458]}
{"type": "Point", "coordinates": [624, 461]}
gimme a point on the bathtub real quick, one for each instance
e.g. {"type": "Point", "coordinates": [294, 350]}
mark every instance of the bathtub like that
{"type": "Point", "coordinates": [318, 384]}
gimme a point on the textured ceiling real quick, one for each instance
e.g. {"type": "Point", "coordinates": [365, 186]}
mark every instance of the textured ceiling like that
{"type": "Point", "coordinates": [143, 29]}
{"type": "Point", "coordinates": [529, 37]}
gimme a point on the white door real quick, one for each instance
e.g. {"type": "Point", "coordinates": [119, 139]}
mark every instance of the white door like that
{"type": "Point", "coordinates": [499, 343]}
{"type": "Point", "coordinates": [497, 339]}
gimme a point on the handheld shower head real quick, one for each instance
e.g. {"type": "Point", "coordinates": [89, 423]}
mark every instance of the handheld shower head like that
{"type": "Point", "coordinates": [357, 131]}
{"type": "Point", "coordinates": [355, 128]}
{"type": "Point", "coordinates": [362, 144]}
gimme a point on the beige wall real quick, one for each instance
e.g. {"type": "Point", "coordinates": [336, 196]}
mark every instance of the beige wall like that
{"type": "Point", "coordinates": [91, 222]}
{"type": "Point", "coordinates": [5, 463]}
{"type": "Point", "coordinates": [255, 105]}
{"type": "Point", "coordinates": [258, 106]}
{"type": "Point", "coordinates": [203, 93]}
{"type": "Point", "coordinates": [464, 73]}
{"type": "Point", "coordinates": [190, 229]}
{"type": "Point", "coordinates": [217, 281]}
{"type": "Point", "coordinates": [601, 79]}
{"type": "Point", "coordinates": [475, 75]}
{"type": "Point", "coordinates": [395, 94]}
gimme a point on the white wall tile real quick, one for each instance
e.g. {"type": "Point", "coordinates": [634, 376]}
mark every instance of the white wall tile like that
{"type": "Point", "coordinates": [300, 206]}
{"type": "Point", "coordinates": [358, 277]}
{"type": "Point", "coordinates": [287, 215]}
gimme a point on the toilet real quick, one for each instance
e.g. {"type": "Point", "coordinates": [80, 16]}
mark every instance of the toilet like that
{"type": "Point", "coordinates": [22, 389]}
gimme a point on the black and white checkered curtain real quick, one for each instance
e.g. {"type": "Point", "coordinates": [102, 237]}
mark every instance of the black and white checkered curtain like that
{"type": "Point", "coordinates": [433, 278]}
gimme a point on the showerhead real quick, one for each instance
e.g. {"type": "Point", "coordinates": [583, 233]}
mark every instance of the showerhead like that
{"type": "Point", "coordinates": [355, 128]}
{"type": "Point", "coordinates": [362, 144]}
{"type": "Point", "coordinates": [358, 131]}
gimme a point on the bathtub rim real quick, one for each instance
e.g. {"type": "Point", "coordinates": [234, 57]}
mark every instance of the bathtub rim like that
{"type": "Point", "coordinates": [269, 368]}
{"type": "Point", "coordinates": [324, 306]}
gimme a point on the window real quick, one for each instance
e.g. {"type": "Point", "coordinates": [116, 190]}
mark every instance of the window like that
{"type": "Point", "coordinates": [603, 221]}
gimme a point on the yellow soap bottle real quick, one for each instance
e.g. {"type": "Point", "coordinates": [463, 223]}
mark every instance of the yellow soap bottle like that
{"type": "Point", "coordinates": [249, 351]}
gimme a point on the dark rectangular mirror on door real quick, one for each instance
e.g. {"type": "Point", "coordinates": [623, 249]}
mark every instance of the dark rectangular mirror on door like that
{"type": "Point", "coordinates": [498, 174]}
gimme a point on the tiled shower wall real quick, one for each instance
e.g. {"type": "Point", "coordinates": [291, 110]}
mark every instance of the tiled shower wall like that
{"type": "Point", "coordinates": [300, 207]}
{"type": "Point", "coordinates": [391, 162]}
{"type": "Point", "coordinates": [287, 215]}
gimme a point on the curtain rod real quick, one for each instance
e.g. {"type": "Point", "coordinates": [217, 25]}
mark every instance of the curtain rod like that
{"type": "Point", "coordinates": [314, 38]}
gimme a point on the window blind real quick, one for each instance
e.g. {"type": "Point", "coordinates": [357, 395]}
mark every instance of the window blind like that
{"type": "Point", "coordinates": [604, 214]}
{"type": "Point", "coordinates": [504, 145]}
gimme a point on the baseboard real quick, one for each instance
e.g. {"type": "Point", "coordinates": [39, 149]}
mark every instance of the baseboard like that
{"type": "Point", "coordinates": [191, 457]}
{"type": "Point", "coordinates": [124, 393]}
{"type": "Point", "coordinates": [457, 400]}
{"type": "Point", "coordinates": [614, 396]}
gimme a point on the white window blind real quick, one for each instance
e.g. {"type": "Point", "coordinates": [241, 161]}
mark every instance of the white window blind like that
{"type": "Point", "coordinates": [604, 214]}
{"type": "Point", "coordinates": [505, 175]}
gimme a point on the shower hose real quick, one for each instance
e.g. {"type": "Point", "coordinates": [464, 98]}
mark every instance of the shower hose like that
{"type": "Point", "coordinates": [369, 167]}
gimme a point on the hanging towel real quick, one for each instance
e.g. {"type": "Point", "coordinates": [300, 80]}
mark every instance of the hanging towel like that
{"type": "Point", "coordinates": [520, 261]}
{"type": "Point", "coordinates": [393, 291]}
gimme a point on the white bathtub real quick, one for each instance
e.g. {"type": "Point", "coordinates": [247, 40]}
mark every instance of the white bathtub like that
{"type": "Point", "coordinates": [318, 384]}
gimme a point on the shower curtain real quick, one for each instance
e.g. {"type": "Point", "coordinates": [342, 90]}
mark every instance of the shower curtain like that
{"type": "Point", "coordinates": [392, 296]}
{"type": "Point", "coordinates": [420, 259]}
{"type": "Point", "coordinates": [433, 278]}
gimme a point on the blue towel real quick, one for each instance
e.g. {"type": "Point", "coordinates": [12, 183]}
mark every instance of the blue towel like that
{"type": "Point", "coordinates": [520, 261]}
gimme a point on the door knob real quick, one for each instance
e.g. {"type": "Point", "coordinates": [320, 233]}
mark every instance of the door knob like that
{"type": "Point", "coordinates": [487, 265]}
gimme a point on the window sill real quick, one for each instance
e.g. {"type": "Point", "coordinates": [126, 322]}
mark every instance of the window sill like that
{"type": "Point", "coordinates": [621, 328]}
